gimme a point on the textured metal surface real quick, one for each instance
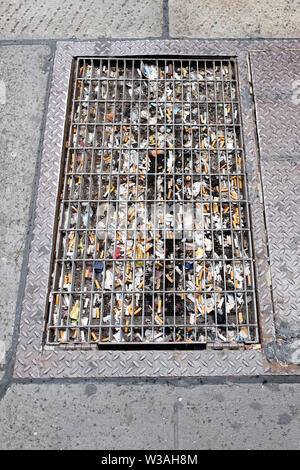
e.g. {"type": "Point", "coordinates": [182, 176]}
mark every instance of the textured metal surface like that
{"type": "Point", "coordinates": [31, 360]}
{"type": "Point", "coordinates": [276, 81]}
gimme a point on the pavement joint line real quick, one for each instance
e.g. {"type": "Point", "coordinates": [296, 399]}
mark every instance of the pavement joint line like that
{"type": "Point", "coordinates": [179, 382]}
{"type": "Point", "coordinates": [50, 42]}
{"type": "Point", "coordinates": [176, 424]}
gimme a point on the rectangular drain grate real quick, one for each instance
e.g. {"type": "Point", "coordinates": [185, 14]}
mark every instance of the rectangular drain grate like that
{"type": "Point", "coordinates": [153, 243]}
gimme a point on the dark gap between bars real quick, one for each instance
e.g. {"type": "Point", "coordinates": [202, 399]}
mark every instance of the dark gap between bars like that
{"type": "Point", "coordinates": [194, 78]}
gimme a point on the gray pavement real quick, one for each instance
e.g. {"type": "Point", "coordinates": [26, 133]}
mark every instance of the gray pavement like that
{"type": "Point", "coordinates": [58, 19]}
{"type": "Point", "coordinates": [114, 414]}
{"type": "Point", "coordinates": [234, 19]}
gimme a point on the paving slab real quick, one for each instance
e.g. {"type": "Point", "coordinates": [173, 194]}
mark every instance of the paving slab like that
{"type": "Point", "coordinates": [57, 19]}
{"type": "Point", "coordinates": [254, 416]}
{"type": "Point", "coordinates": [87, 416]}
{"type": "Point", "coordinates": [234, 19]}
{"type": "Point", "coordinates": [114, 416]}
{"type": "Point", "coordinates": [23, 84]}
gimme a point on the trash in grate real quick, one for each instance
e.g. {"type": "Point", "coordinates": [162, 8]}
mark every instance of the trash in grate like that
{"type": "Point", "coordinates": [153, 240]}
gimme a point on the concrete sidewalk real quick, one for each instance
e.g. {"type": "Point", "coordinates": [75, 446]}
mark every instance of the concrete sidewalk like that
{"type": "Point", "coordinates": [115, 414]}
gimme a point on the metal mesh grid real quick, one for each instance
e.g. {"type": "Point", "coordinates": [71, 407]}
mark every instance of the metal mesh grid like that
{"type": "Point", "coordinates": [153, 240]}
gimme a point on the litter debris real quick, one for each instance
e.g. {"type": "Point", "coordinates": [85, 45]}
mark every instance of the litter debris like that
{"type": "Point", "coordinates": [154, 238]}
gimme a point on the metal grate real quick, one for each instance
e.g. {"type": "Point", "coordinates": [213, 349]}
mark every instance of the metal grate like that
{"type": "Point", "coordinates": [153, 240]}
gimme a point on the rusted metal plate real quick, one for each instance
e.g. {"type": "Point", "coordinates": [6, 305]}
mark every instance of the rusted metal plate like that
{"type": "Point", "coordinates": [33, 359]}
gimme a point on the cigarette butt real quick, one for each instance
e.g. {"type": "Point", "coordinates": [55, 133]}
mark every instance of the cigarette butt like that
{"type": "Point", "coordinates": [240, 318]}
{"type": "Point", "coordinates": [75, 334]}
{"type": "Point", "coordinates": [70, 278]}
{"type": "Point", "coordinates": [97, 313]}
{"type": "Point", "coordinates": [86, 273]}
{"type": "Point", "coordinates": [159, 306]}
{"type": "Point", "coordinates": [245, 330]}
{"type": "Point", "coordinates": [141, 285]}
{"type": "Point", "coordinates": [169, 278]}
{"type": "Point", "coordinates": [182, 295]}
{"type": "Point", "coordinates": [226, 210]}
{"type": "Point", "coordinates": [57, 299]}
{"type": "Point", "coordinates": [97, 284]}
{"type": "Point", "coordinates": [236, 284]}
{"type": "Point", "coordinates": [120, 303]}
{"type": "Point", "coordinates": [233, 195]}
{"type": "Point", "coordinates": [131, 211]}
{"type": "Point", "coordinates": [102, 254]}
{"type": "Point", "coordinates": [94, 336]}
{"type": "Point", "coordinates": [61, 336]}
{"type": "Point", "coordinates": [169, 193]}
{"type": "Point", "coordinates": [104, 340]}
{"type": "Point", "coordinates": [159, 319]}
{"type": "Point", "coordinates": [178, 338]}
{"type": "Point", "coordinates": [138, 310]}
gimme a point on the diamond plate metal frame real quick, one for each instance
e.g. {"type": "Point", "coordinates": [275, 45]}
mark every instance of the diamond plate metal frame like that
{"type": "Point", "coordinates": [34, 361]}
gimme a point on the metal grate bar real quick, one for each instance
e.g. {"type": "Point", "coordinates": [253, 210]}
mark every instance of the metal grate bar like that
{"type": "Point", "coordinates": [153, 242]}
